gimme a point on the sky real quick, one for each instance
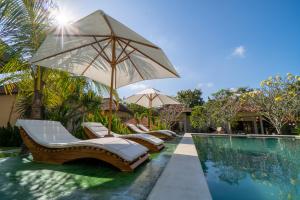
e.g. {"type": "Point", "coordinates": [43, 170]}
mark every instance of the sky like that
{"type": "Point", "coordinates": [212, 44]}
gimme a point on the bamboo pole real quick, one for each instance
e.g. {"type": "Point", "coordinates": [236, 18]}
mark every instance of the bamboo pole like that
{"type": "Point", "coordinates": [113, 68]}
{"type": "Point", "coordinates": [150, 111]}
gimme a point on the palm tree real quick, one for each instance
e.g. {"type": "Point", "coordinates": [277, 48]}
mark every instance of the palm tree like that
{"type": "Point", "coordinates": [23, 27]}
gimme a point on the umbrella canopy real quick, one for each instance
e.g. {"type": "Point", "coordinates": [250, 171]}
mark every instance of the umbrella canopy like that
{"type": "Point", "coordinates": [151, 98]}
{"type": "Point", "coordinates": [102, 49]}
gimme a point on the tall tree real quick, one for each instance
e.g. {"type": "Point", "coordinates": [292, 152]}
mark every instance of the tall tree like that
{"type": "Point", "coordinates": [23, 27]}
{"type": "Point", "coordinates": [278, 100]}
{"type": "Point", "coordinates": [190, 98]}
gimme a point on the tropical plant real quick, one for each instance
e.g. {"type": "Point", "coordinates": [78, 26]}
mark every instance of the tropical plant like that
{"type": "Point", "coordinates": [117, 125]}
{"type": "Point", "coordinates": [190, 98]}
{"type": "Point", "coordinates": [199, 117]}
{"type": "Point", "coordinates": [9, 136]}
{"type": "Point", "coordinates": [297, 130]}
{"type": "Point", "coordinates": [224, 107]}
{"type": "Point", "coordinates": [278, 100]}
{"type": "Point", "coordinates": [169, 114]}
{"type": "Point", "coordinates": [23, 27]}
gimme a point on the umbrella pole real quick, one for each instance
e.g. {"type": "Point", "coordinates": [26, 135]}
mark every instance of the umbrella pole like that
{"type": "Point", "coordinates": [113, 68]}
{"type": "Point", "coordinates": [150, 111]}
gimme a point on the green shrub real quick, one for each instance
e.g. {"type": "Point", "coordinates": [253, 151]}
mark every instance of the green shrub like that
{"type": "Point", "coordinates": [117, 126]}
{"type": "Point", "coordinates": [10, 136]}
{"type": "Point", "coordinates": [296, 130]}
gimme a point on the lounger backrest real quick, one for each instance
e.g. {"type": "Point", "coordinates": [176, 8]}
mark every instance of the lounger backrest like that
{"type": "Point", "coordinates": [97, 128]}
{"type": "Point", "coordinates": [46, 133]}
{"type": "Point", "coordinates": [134, 128]}
{"type": "Point", "coordinates": [142, 127]}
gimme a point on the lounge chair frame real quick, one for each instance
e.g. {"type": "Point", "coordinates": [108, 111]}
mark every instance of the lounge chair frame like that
{"type": "Point", "coordinates": [154, 133]}
{"type": "Point", "coordinates": [150, 146]}
{"type": "Point", "coordinates": [61, 155]}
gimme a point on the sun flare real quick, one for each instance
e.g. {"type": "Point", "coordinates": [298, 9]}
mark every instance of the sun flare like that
{"type": "Point", "coordinates": [61, 18]}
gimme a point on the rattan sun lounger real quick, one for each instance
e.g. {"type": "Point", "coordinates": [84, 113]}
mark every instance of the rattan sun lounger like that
{"type": "Point", "coordinates": [144, 128]}
{"type": "Point", "coordinates": [50, 142]}
{"type": "Point", "coordinates": [161, 135]}
{"type": "Point", "coordinates": [97, 130]}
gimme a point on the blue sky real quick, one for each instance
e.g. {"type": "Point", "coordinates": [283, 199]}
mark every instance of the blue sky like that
{"type": "Point", "coordinates": [212, 44]}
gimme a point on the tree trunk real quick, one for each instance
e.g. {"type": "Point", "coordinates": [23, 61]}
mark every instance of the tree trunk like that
{"type": "Point", "coordinates": [278, 129]}
{"type": "Point", "coordinates": [37, 106]}
{"type": "Point", "coordinates": [229, 128]}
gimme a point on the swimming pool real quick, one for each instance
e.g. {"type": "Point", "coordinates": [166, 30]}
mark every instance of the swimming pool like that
{"type": "Point", "coordinates": [250, 168]}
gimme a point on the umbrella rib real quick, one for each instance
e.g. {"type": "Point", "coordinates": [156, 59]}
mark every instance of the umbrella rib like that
{"type": "Point", "coordinates": [156, 95]}
{"type": "Point", "coordinates": [100, 53]}
{"type": "Point", "coordinates": [129, 58]}
{"type": "Point", "coordinates": [142, 43]}
{"type": "Point", "coordinates": [90, 64]}
{"type": "Point", "coordinates": [153, 60]}
{"type": "Point", "coordinates": [102, 49]}
{"type": "Point", "coordinates": [123, 49]}
{"type": "Point", "coordinates": [139, 98]}
{"type": "Point", "coordinates": [125, 57]}
{"type": "Point", "coordinates": [79, 35]}
{"type": "Point", "coordinates": [160, 99]}
{"type": "Point", "coordinates": [109, 25]}
{"type": "Point", "coordinates": [85, 45]}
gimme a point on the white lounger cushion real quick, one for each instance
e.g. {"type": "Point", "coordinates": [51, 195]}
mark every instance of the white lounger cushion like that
{"type": "Point", "coordinates": [142, 127]}
{"type": "Point", "coordinates": [99, 130]}
{"type": "Point", "coordinates": [52, 134]}
{"type": "Point", "coordinates": [136, 129]}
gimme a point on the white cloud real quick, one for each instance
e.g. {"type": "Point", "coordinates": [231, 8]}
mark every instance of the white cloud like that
{"type": "Point", "coordinates": [205, 85]}
{"type": "Point", "coordinates": [239, 51]}
{"type": "Point", "coordinates": [137, 86]}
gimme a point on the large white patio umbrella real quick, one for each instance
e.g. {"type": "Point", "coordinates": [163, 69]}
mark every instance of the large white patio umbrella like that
{"type": "Point", "coordinates": [102, 49]}
{"type": "Point", "coordinates": [150, 98]}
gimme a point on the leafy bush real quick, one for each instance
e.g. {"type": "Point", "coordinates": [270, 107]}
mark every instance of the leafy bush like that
{"type": "Point", "coordinates": [117, 126]}
{"type": "Point", "coordinates": [296, 130]}
{"type": "Point", "coordinates": [10, 136]}
{"type": "Point", "coordinates": [159, 125]}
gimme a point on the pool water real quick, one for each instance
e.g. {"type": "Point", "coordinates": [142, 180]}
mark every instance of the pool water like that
{"type": "Point", "coordinates": [250, 168]}
{"type": "Point", "coordinates": [21, 178]}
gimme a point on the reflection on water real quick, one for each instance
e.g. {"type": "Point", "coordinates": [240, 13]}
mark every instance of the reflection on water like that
{"type": "Point", "coordinates": [250, 168]}
{"type": "Point", "coordinates": [22, 179]}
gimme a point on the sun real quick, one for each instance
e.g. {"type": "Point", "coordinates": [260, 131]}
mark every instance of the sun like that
{"type": "Point", "coordinates": [61, 18]}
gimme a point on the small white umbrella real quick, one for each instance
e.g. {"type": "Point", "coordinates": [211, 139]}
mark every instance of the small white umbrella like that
{"type": "Point", "coordinates": [150, 98]}
{"type": "Point", "coordinates": [102, 49]}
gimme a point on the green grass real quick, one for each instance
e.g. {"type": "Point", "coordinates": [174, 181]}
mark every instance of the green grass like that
{"type": "Point", "coordinates": [8, 148]}
{"type": "Point", "coordinates": [21, 178]}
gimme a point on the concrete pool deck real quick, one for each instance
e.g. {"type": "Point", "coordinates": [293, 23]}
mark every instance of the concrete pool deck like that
{"type": "Point", "coordinates": [183, 176]}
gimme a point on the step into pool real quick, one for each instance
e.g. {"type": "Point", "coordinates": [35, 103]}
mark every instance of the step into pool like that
{"type": "Point", "coordinates": [250, 168]}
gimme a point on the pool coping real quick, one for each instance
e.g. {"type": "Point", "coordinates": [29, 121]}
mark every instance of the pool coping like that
{"type": "Point", "coordinates": [183, 177]}
{"type": "Point", "coordinates": [248, 135]}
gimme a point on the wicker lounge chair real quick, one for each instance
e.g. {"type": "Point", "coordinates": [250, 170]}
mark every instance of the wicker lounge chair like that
{"type": "Point", "coordinates": [144, 128]}
{"type": "Point", "coordinates": [159, 134]}
{"type": "Point", "coordinates": [50, 142]}
{"type": "Point", "coordinates": [97, 130]}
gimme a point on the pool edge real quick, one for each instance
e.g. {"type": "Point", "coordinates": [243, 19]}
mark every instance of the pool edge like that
{"type": "Point", "coordinates": [183, 177]}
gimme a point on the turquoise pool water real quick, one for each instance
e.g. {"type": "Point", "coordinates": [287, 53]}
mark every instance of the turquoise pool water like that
{"type": "Point", "coordinates": [250, 168]}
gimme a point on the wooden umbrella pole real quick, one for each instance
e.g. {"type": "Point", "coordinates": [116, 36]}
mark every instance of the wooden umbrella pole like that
{"type": "Point", "coordinates": [113, 68]}
{"type": "Point", "coordinates": [150, 111]}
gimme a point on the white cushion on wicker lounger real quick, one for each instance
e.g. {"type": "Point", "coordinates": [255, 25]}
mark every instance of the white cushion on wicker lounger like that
{"type": "Point", "coordinates": [137, 130]}
{"type": "Point", "coordinates": [142, 127]}
{"type": "Point", "coordinates": [100, 130]}
{"type": "Point", "coordinates": [53, 134]}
